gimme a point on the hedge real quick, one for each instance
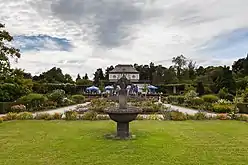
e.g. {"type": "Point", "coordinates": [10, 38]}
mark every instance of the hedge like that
{"type": "Point", "coordinates": [210, 98]}
{"type": "Point", "coordinates": [5, 107]}
{"type": "Point", "coordinates": [243, 107]}
{"type": "Point", "coordinates": [176, 99]}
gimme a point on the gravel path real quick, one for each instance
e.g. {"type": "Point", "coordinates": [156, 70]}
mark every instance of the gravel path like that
{"type": "Point", "coordinates": [58, 110]}
{"type": "Point", "coordinates": [188, 110]}
{"type": "Point", "coordinates": [63, 109]}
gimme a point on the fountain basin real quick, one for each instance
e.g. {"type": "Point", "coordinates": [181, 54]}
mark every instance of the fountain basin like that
{"type": "Point", "coordinates": [122, 117]}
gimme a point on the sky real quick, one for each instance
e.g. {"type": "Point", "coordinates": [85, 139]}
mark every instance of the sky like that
{"type": "Point", "coordinates": [80, 36]}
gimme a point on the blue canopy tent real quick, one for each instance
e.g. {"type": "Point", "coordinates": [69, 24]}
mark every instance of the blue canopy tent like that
{"type": "Point", "coordinates": [92, 89]}
{"type": "Point", "coordinates": [109, 87]}
{"type": "Point", "coordinates": [152, 88]}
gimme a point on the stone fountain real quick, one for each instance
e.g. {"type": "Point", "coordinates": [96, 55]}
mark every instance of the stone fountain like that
{"type": "Point", "coordinates": [123, 114]}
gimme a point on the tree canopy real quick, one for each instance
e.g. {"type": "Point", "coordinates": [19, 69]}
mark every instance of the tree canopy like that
{"type": "Point", "coordinates": [6, 52]}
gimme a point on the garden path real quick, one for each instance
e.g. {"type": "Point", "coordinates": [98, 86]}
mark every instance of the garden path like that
{"type": "Point", "coordinates": [63, 109]}
{"type": "Point", "coordinates": [58, 110]}
{"type": "Point", "coordinates": [188, 110]}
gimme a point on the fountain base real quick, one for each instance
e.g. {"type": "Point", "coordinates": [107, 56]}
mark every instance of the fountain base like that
{"type": "Point", "coordinates": [115, 137]}
{"type": "Point", "coordinates": [123, 117]}
{"type": "Point", "coordinates": [122, 130]}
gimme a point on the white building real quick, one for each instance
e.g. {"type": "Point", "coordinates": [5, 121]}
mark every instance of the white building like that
{"type": "Point", "coordinates": [128, 70]}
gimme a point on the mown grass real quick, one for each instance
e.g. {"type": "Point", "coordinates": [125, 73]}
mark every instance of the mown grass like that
{"type": "Point", "coordinates": [157, 142]}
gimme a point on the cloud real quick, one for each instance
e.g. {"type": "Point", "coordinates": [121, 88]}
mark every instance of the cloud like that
{"type": "Point", "coordinates": [41, 42]}
{"type": "Point", "coordinates": [108, 32]}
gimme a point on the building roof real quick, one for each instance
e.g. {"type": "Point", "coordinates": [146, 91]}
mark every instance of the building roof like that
{"type": "Point", "coordinates": [120, 68]}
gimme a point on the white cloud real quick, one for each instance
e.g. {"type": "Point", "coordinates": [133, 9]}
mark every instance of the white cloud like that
{"type": "Point", "coordinates": [109, 32]}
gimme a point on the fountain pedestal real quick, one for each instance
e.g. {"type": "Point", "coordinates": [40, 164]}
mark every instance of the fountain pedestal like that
{"type": "Point", "coordinates": [123, 117]}
{"type": "Point", "coordinates": [123, 114]}
{"type": "Point", "coordinates": [123, 130]}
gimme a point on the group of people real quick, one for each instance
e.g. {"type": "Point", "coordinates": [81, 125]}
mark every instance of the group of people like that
{"type": "Point", "coordinates": [114, 90]}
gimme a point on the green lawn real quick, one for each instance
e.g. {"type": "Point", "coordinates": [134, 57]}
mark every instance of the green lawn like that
{"type": "Point", "coordinates": [157, 142]}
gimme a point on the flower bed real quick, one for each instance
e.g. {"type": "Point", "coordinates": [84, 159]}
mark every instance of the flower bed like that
{"type": "Point", "coordinates": [91, 115]}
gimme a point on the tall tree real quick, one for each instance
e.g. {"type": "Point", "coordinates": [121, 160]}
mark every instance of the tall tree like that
{"type": "Point", "coordinates": [86, 77]}
{"type": "Point", "coordinates": [151, 71]}
{"type": "Point", "coordinates": [98, 76]}
{"type": "Point", "coordinates": [179, 63]}
{"type": "Point", "coordinates": [200, 71]}
{"type": "Point", "coordinates": [200, 88]}
{"type": "Point", "coordinates": [225, 80]}
{"type": "Point", "coordinates": [107, 72]}
{"type": "Point", "coordinates": [78, 77]}
{"type": "Point", "coordinates": [54, 75]}
{"type": "Point", "coordinates": [68, 78]}
{"type": "Point", "coordinates": [6, 52]}
{"type": "Point", "coordinates": [240, 66]}
{"type": "Point", "coordinates": [191, 69]}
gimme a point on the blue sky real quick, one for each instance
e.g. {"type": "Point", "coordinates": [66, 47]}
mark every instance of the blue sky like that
{"type": "Point", "coordinates": [41, 42]}
{"type": "Point", "coordinates": [82, 35]}
{"type": "Point", "coordinates": [233, 44]}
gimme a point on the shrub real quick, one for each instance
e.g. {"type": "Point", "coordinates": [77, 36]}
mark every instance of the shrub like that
{"type": "Point", "coordinates": [222, 117]}
{"type": "Point", "coordinates": [243, 107]}
{"type": "Point", "coordinates": [18, 108]}
{"type": "Point", "coordinates": [210, 98]}
{"type": "Point", "coordinates": [196, 101]}
{"type": "Point", "coordinates": [245, 96]}
{"type": "Point", "coordinates": [222, 93]}
{"type": "Point", "coordinates": [178, 116]}
{"type": "Point", "coordinates": [140, 117]}
{"type": "Point", "coordinates": [78, 98]}
{"type": "Point", "coordinates": [180, 99]}
{"type": "Point", "coordinates": [191, 94]}
{"type": "Point", "coordinates": [208, 107]}
{"type": "Point", "coordinates": [190, 117]}
{"type": "Point", "coordinates": [25, 116]}
{"type": "Point", "coordinates": [154, 117]}
{"type": "Point", "coordinates": [242, 118]}
{"type": "Point", "coordinates": [11, 116]}
{"type": "Point", "coordinates": [166, 115]}
{"type": "Point", "coordinates": [176, 99]}
{"type": "Point", "coordinates": [43, 116]}
{"type": "Point", "coordinates": [207, 90]}
{"type": "Point", "coordinates": [99, 105]}
{"type": "Point", "coordinates": [200, 88]}
{"type": "Point", "coordinates": [172, 99]}
{"type": "Point", "coordinates": [57, 116]}
{"type": "Point", "coordinates": [50, 104]}
{"type": "Point", "coordinates": [222, 108]}
{"type": "Point", "coordinates": [102, 117]}
{"type": "Point", "coordinates": [89, 115]}
{"type": "Point", "coordinates": [230, 97]}
{"type": "Point", "coordinates": [5, 107]}
{"type": "Point", "coordinates": [1, 120]}
{"type": "Point", "coordinates": [67, 102]}
{"type": "Point", "coordinates": [33, 101]}
{"type": "Point", "coordinates": [13, 90]}
{"type": "Point", "coordinates": [200, 116]}
{"type": "Point", "coordinates": [223, 101]}
{"type": "Point", "coordinates": [174, 115]}
{"type": "Point", "coordinates": [57, 96]}
{"type": "Point", "coordinates": [151, 107]}
{"type": "Point", "coordinates": [71, 115]}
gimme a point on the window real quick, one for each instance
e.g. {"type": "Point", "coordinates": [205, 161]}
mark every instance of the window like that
{"type": "Point", "coordinates": [133, 76]}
